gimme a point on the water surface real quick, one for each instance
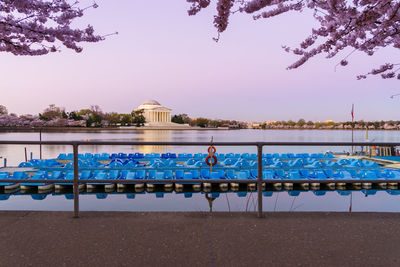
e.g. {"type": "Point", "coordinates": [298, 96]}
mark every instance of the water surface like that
{"type": "Point", "coordinates": [16, 154]}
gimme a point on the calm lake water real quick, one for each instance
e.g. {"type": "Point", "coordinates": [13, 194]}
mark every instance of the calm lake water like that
{"type": "Point", "coordinates": [15, 154]}
{"type": "Point", "coordinates": [279, 201]}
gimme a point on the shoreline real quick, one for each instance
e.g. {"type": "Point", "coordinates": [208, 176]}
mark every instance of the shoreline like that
{"type": "Point", "coordinates": [98, 129]}
{"type": "Point", "coordinates": [79, 129]}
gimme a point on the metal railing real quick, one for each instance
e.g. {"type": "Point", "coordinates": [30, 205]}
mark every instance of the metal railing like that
{"type": "Point", "coordinates": [259, 145]}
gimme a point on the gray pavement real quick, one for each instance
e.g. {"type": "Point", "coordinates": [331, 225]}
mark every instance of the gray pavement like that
{"type": "Point", "coordinates": [33, 238]}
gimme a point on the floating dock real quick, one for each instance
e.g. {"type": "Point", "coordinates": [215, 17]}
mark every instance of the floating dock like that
{"type": "Point", "coordinates": [181, 172]}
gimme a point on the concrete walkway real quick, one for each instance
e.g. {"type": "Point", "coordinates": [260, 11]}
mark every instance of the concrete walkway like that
{"type": "Point", "coordinates": [198, 239]}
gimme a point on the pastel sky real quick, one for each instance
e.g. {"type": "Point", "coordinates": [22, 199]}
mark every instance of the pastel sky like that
{"type": "Point", "coordinates": [161, 53]}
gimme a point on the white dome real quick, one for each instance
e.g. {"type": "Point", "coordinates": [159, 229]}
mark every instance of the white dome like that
{"type": "Point", "coordinates": [150, 105]}
{"type": "Point", "coordinates": [151, 102]}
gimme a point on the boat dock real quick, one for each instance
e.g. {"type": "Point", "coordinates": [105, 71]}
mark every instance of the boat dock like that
{"type": "Point", "coordinates": [137, 172]}
{"type": "Point", "coordinates": [201, 171]}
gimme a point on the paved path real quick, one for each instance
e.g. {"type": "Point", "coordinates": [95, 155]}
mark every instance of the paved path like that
{"type": "Point", "coordinates": [198, 239]}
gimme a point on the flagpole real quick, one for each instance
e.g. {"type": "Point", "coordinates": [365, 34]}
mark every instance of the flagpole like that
{"type": "Point", "coordinates": [352, 135]}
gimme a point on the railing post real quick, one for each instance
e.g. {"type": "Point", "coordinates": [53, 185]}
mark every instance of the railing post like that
{"type": "Point", "coordinates": [76, 182]}
{"type": "Point", "coordinates": [40, 146]}
{"type": "Point", "coordinates": [259, 180]}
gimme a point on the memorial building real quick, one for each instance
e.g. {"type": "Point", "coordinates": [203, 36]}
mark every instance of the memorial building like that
{"type": "Point", "coordinates": [155, 114]}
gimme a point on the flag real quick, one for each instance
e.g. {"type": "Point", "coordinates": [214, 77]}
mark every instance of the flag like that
{"type": "Point", "coordinates": [352, 111]}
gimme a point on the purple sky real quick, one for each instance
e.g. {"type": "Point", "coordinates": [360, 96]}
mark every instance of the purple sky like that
{"type": "Point", "coordinates": [161, 53]}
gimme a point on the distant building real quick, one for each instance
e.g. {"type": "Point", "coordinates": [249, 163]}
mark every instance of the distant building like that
{"type": "Point", "coordinates": [154, 113]}
{"type": "Point", "coordinates": [158, 116]}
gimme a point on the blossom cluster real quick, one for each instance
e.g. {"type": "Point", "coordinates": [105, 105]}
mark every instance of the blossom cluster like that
{"type": "Point", "coordinates": [36, 27]}
{"type": "Point", "coordinates": [197, 5]}
{"type": "Point", "coordinates": [359, 25]}
{"type": "Point", "coordinates": [12, 120]}
{"type": "Point", "coordinates": [58, 117]}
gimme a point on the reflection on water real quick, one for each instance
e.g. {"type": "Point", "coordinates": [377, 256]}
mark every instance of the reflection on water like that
{"type": "Point", "coordinates": [365, 200]}
{"type": "Point", "coordinates": [154, 136]}
{"type": "Point", "coordinates": [210, 200]}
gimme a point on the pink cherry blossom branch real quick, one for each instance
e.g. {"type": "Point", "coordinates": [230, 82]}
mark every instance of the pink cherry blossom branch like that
{"type": "Point", "coordinates": [30, 27]}
{"type": "Point", "coordinates": [363, 25]}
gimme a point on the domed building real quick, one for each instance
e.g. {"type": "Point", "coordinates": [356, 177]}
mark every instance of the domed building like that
{"type": "Point", "coordinates": [154, 113]}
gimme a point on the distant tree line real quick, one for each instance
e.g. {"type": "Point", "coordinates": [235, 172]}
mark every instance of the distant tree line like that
{"type": "Point", "coordinates": [207, 123]}
{"type": "Point", "coordinates": [57, 116]}
{"type": "Point", "coordinates": [95, 117]}
{"type": "Point", "coordinates": [302, 124]}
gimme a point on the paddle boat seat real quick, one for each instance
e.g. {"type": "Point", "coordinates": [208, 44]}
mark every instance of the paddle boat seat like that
{"type": "Point", "coordinates": [268, 175]}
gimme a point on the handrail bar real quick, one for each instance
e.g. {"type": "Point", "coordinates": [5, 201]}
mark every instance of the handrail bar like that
{"type": "Point", "coordinates": [139, 143]}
